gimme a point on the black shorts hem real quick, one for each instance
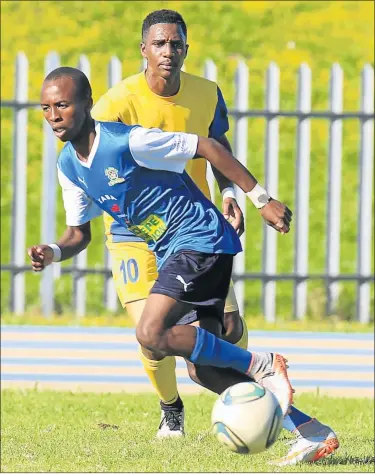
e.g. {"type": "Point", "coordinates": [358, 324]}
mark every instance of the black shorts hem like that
{"type": "Point", "coordinates": [177, 296]}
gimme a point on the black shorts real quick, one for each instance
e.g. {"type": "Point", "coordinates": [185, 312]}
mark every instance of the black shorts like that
{"type": "Point", "coordinates": [199, 279]}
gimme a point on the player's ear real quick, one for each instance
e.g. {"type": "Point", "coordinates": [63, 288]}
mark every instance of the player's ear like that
{"type": "Point", "coordinates": [142, 47]}
{"type": "Point", "coordinates": [90, 103]}
{"type": "Point", "coordinates": [186, 50]}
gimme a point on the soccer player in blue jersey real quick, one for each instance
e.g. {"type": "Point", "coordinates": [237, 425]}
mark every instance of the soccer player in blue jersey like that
{"type": "Point", "coordinates": [137, 176]}
{"type": "Point", "coordinates": [162, 96]}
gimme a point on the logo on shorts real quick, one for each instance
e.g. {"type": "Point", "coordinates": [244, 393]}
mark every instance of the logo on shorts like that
{"type": "Point", "coordinates": [180, 279]}
{"type": "Point", "coordinates": [112, 174]}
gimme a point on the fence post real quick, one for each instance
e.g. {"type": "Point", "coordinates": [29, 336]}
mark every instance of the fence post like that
{"type": "Point", "coordinates": [240, 151]}
{"type": "Point", "coordinates": [48, 230]}
{"type": "Point", "coordinates": [365, 219]}
{"type": "Point", "coordinates": [210, 73]}
{"type": "Point", "coordinates": [334, 187]}
{"type": "Point", "coordinates": [269, 254]}
{"type": "Point", "coordinates": [19, 208]}
{"type": "Point", "coordinates": [301, 251]}
{"type": "Point", "coordinates": [80, 260]}
{"type": "Point", "coordinates": [110, 296]}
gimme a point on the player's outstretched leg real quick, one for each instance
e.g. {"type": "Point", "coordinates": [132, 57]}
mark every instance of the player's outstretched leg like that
{"type": "Point", "coordinates": [156, 332]}
{"type": "Point", "coordinates": [162, 375]}
{"type": "Point", "coordinates": [313, 441]}
{"type": "Point", "coordinates": [210, 377]}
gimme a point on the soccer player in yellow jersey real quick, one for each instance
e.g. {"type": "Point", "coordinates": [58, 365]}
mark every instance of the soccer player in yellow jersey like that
{"type": "Point", "coordinates": [165, 97]}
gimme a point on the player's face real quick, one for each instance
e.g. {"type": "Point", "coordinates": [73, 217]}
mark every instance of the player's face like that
{"type": "Point", "coordinates": [63, 111]}
{"type": "Point", "coordinates": [165, 49]}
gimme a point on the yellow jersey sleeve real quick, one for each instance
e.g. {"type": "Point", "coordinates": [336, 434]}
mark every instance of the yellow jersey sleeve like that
{"type": "Point", "coordinates": [105, 109]}
{"type": "Point", "coordinates": [113, 106]}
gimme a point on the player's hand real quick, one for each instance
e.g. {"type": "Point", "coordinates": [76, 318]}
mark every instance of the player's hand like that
{"type": "Point", "coordinates": [41, 256]}
{"type": "Point", "coordinates": [277, 215]}
{"type": "Point", "coordinates": [233, 214]}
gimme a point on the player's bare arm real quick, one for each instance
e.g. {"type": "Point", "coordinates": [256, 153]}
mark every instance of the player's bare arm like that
{"type": "Point", "coordinates": [72, 242]}
{"type": "Point", "coordinates": [222, 181]}
{"type": "Point", "coordinates": [231, 209]}
{"type": "Point", "coordinates": [275, 214]}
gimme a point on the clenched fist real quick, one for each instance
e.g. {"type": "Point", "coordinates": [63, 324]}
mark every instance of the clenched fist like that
{"type": "Point", "coordinates": [41, 256]}
{"type": "Point", "coordinates": [277, 215]}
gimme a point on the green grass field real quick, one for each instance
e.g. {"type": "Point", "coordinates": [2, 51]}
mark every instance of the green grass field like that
{"type": "Point", "coordinates": [323, 32]}
{"type": "Point", "coordinates": [60, 432]}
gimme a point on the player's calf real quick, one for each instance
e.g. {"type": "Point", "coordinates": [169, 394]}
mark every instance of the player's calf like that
{"type": "Point", "coordinates": [233, 328]}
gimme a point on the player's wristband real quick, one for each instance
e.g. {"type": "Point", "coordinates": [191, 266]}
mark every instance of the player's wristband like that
{"type": "Point", "coordinates": [228, 193]}
{"type": "Point", "coordinates": [56, 252]}
{"type": "Point", "coordinates": [258, 196]}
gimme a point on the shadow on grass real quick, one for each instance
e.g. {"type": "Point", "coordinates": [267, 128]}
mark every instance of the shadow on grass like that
{"type": "Point", "coordinates": [337, 460]}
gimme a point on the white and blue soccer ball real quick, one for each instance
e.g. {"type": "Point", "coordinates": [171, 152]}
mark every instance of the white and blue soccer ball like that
{"type": "Point", "coordinates": [247, 418]}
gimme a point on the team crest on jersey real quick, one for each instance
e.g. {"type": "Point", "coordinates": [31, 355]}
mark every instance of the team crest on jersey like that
{"type": "Point", "coordinates": [112, 174]}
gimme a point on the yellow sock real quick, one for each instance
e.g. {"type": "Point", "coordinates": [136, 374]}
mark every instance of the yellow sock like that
{"type": "Point", "coordinates": [243, 342]}
{"type": "Point", "coordinates": [162, 375]}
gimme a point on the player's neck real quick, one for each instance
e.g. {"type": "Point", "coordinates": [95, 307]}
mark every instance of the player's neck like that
{"type": "Point", "coordinates": [165, 87]}
{"type": "Point", "coordinates": [85, 140]}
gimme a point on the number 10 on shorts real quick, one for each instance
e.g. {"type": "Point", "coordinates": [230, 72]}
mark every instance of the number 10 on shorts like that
{"type": "Point", "coordinates": [129, 270]}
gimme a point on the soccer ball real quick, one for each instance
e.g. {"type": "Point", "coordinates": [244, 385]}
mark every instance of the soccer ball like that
{"type": "Point", "coordinates": [247, 418]}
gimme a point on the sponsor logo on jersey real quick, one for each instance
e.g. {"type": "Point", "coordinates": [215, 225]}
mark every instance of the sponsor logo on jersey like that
{"type": "Point", "coordinates": [106, 197]}
{"type": "Point", "coordinates": [112, 174]}
{"type": "Point", "coordinates": [150, 229]}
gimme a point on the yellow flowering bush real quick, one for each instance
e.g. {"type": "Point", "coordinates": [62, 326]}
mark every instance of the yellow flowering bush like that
{"type": "Point", "coordinates": [318, 33]}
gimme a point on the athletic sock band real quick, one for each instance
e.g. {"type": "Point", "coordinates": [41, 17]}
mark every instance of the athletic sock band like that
{"type": "Point", "coordinates": [175, 406]}
{"type": "Point", "coordinates": [210, 350]}
{"type": "Point", "coordinates": [294, 419]}
{"type": "Point", "coordinates": [56, 252]}
{"type": "Point", "coordinates": [258, 196]}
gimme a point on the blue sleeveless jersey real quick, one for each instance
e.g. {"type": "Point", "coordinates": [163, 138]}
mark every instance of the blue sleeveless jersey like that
{"type": "Point", "coordinates": [163, 208]}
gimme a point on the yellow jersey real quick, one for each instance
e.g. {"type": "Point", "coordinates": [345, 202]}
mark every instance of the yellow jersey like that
{"type": "Point", "coordinates": [197, 108]}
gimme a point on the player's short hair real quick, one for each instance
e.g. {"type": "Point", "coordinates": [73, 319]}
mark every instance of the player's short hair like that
{"type": "Point", "coordinates": [162, 16]}
{"type": "Point", "coordinates": [83, 87]}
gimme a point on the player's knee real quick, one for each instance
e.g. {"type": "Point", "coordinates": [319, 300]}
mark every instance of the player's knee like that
{"type": "Point", "coordinates": [147, 337]}
{"type": "Point", "coordinates": [232, 326]}
{"type": "Point", "coordinates": [152, 338]}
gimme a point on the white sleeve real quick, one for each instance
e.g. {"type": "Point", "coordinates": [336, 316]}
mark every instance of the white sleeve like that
{"type": "Point", "coordinates": [157, 150]}
{"type": "Point", "coordinates": [79, 208]}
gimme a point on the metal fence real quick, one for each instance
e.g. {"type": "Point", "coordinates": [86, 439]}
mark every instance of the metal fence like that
{"type": "Point", "coordinates": [241, 112]}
